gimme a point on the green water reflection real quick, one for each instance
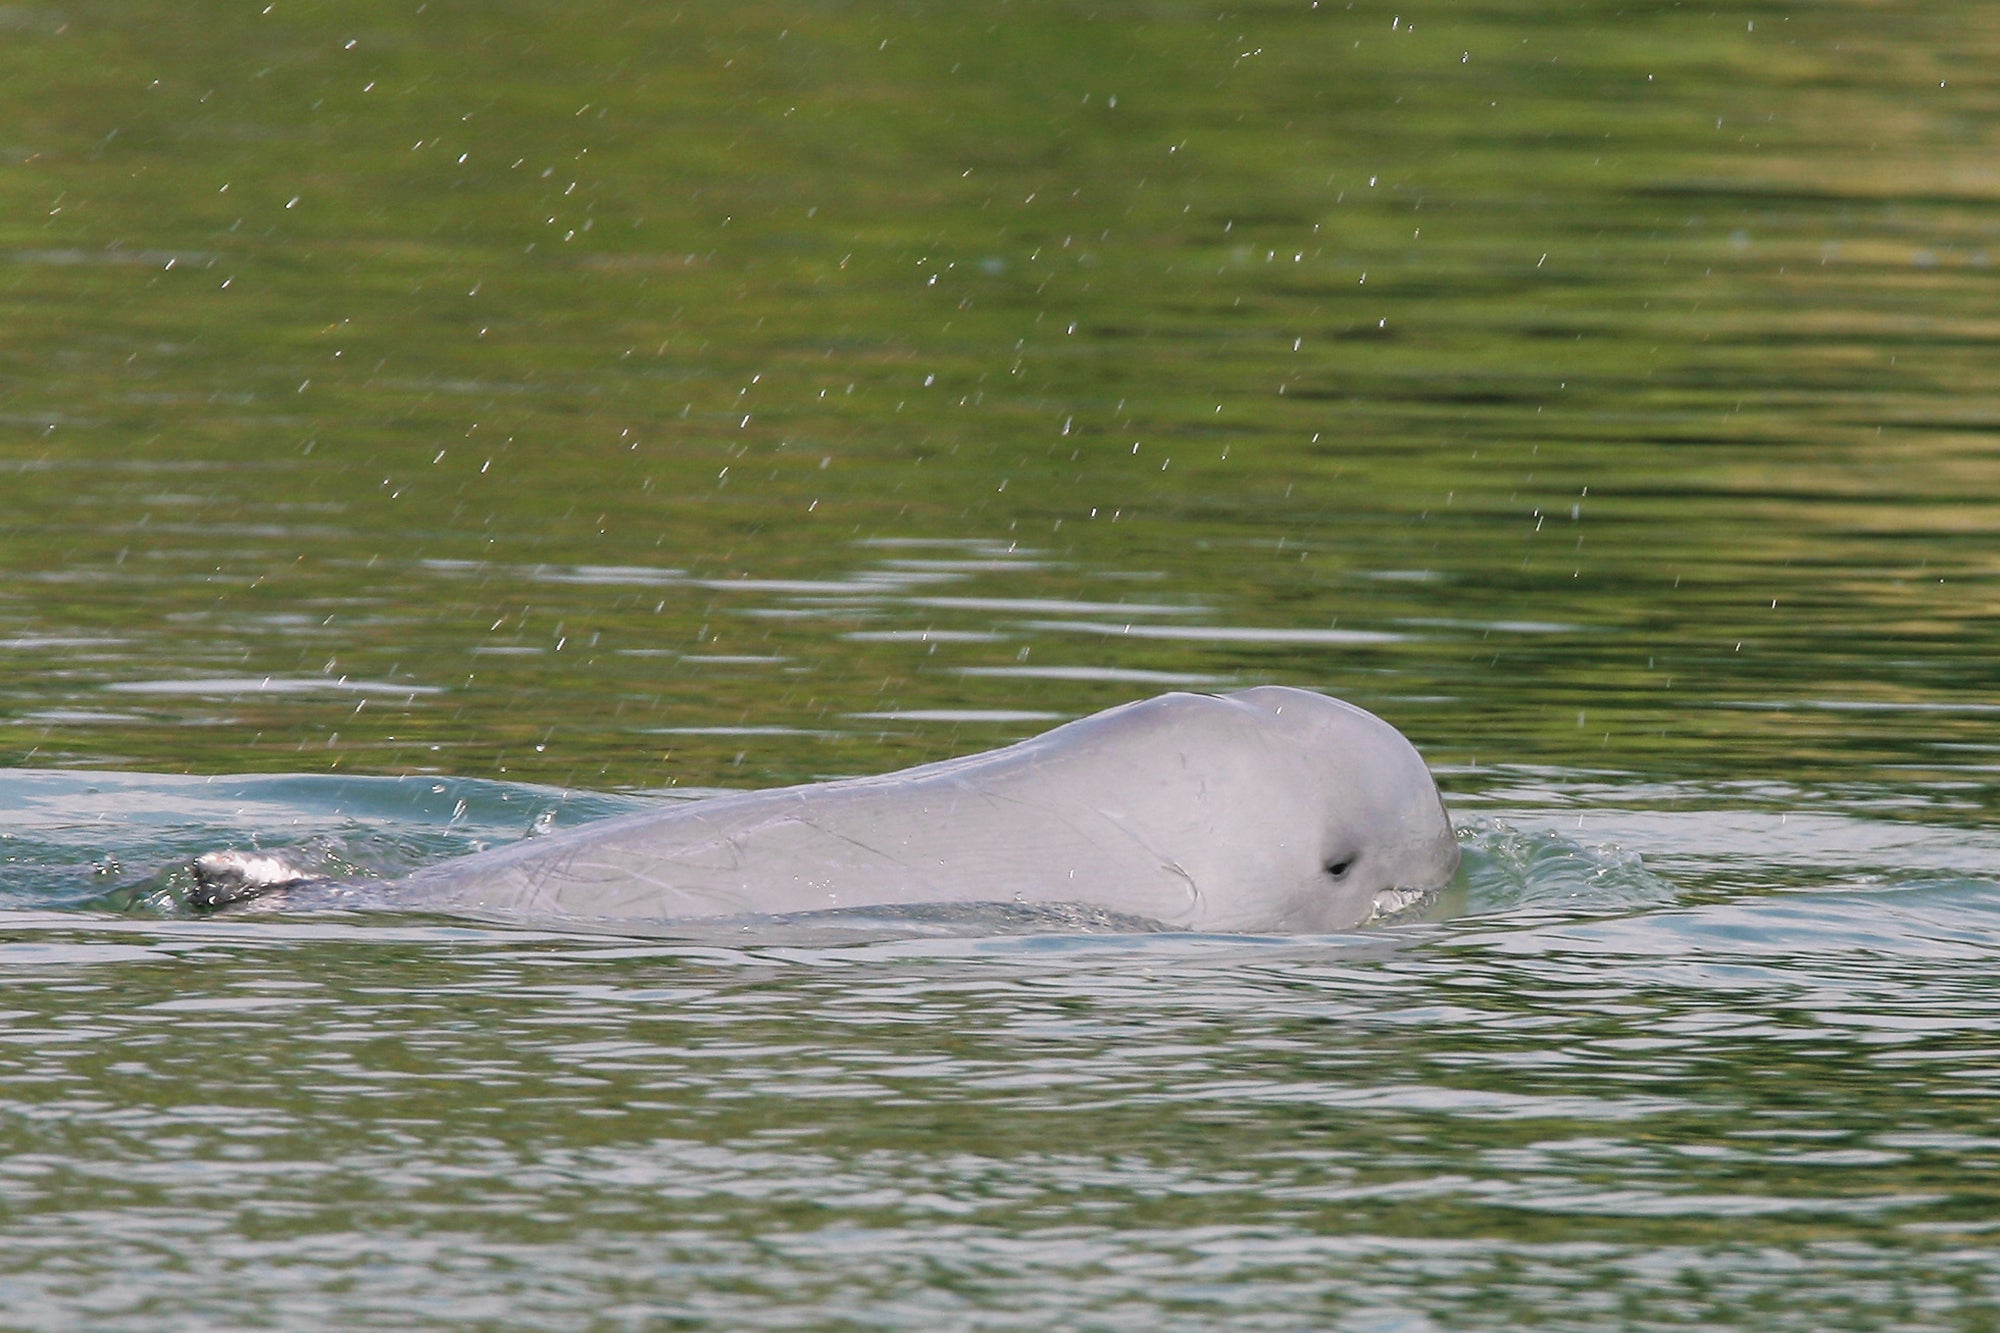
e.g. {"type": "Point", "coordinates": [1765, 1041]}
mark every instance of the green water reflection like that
{"type": "Point", "coordinates": [1664, 334]}
{"type": "Point", "coordinates": [270, 1122]}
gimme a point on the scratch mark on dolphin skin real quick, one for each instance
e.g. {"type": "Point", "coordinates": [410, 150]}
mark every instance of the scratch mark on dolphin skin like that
{"type": "Point", "coordinates": [1194, 889]}
{"type": "Point", "coordinates": [1059, 816]}
{"type": "Point", "coordinates": [543, 881]}
{"type": "Point", "coordinates": [649, 885]}
{"type": "Point", "coordinates": [851, 841]}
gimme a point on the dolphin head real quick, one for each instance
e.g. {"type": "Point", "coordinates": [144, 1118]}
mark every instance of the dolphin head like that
{"type": "Point", "coordinates": [1357, 815]}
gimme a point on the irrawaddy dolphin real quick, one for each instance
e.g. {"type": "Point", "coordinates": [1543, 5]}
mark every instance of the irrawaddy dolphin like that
{"type": "Point", "coordinates": [1267, 810]}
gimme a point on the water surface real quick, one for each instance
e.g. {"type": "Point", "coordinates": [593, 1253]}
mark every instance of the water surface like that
{"type": "Point", "coordinates": [419, 422]}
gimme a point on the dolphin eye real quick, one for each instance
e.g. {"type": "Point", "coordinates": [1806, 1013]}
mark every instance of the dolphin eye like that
{"type": "Point", "coordinates": [1338, 869]}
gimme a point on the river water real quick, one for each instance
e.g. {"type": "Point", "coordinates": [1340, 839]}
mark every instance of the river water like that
{"type": "Point", "coordinates": [421, 424]}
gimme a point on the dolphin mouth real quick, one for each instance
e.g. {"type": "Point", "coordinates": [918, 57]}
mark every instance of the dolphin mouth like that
{"type": "Point", "coordinates": [1391, 906]}
{"type": "Point", "coordinates": [1411, 902]}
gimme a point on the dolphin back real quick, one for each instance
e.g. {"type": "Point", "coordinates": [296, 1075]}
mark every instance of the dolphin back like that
{"type": "Point", "coordinates": [1023, 824]}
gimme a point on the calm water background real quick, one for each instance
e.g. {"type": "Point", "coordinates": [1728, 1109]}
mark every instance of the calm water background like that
{"type": "Point", "coordinates": [419, 421]}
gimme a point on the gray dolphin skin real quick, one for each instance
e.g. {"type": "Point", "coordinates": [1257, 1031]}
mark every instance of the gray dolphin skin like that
{"type": "Point", "coordinates": [1268, 810]}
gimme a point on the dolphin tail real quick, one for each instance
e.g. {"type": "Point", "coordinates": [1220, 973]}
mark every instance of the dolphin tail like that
{"type": "Point", "coordinates": [223, 878]}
